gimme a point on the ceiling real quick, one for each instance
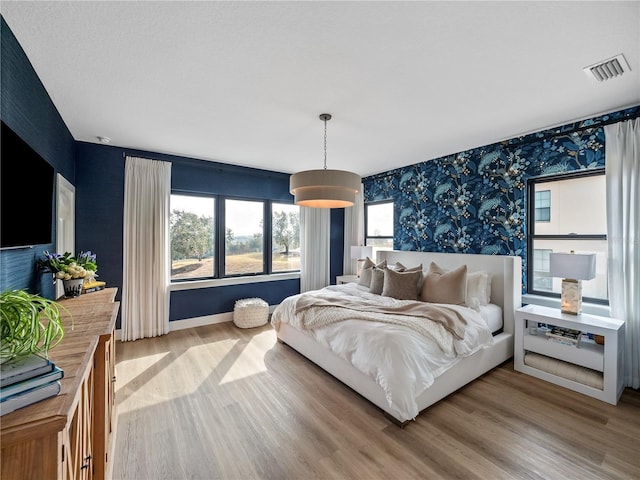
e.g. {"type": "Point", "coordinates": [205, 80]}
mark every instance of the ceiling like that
{"type": "Point", "coordinates": [244, 82]}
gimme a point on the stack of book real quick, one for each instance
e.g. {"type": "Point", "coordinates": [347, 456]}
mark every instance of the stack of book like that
{"type": "Point", "coordinates": [26, 380]}
{"type": "Point", "coordinates": [564, 336]}
{"type": "Point", "coordinates": [88, 287]}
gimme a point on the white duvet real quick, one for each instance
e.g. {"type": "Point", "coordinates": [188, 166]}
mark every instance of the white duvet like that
{"type": "Point", "coordinates": [400, 360]}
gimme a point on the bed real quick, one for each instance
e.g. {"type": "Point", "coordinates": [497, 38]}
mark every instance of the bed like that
{"type": "Point", "coordinates": [334, 345]}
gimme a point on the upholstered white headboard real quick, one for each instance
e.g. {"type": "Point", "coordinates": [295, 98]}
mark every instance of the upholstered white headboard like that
{"type": "Point", "coordinates": [506, 274]}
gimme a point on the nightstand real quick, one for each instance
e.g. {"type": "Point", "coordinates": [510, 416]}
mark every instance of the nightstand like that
{"type": "Point", "coordinates": [566, 365]}
{"type": "Point", "coordinates": [340, 279]}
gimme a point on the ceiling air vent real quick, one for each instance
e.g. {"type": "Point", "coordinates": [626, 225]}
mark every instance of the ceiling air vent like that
{"type": "Point", "coordinates": [612, 67]}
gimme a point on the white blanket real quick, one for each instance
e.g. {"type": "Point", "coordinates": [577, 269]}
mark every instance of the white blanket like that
{"type": "Point", "coordinates": [402, 361]}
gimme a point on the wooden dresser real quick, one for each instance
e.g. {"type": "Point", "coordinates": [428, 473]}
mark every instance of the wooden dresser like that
{"type": "Point", "coordinates": [70, 436]}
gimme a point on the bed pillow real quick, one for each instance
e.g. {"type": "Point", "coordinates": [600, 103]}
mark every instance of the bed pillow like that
{"type": "Point", "coordinates": [401, 285]}
{"type": "Point", "coordinates": [478, 290]}
{"type": "Point", "coordinates": [377, 281]}
{"type": "Point", "coordinates": [363, 279]}
{"type": "Point", "coordinates": [398, 267]}
{"type": "Point", "coordinates": [417, 268]}
{"type": "Point", "coordinates": [367, 268]}
{"type": "Point", "coordinates": [440, 286]}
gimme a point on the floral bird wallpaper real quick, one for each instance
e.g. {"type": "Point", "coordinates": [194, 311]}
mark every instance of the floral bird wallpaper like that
{"type": "Point", "coordinates": [475, 201]}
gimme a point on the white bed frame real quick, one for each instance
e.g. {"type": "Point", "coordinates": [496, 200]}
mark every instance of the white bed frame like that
{"type": "Point", "coordinates": [506, 291]}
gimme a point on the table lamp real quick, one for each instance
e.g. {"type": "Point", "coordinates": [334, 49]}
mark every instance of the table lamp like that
{"type": "Point", "coordinates": [360, 253]}
{"type": "Point", "coordinates": [572, 268]}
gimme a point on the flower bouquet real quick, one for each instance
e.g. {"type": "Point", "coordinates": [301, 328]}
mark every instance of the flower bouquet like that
{"type": "Point", "coordinates": [68, 268]}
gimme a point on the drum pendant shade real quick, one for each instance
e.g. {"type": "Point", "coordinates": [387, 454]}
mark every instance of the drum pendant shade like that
{"type": "Point", "coordinates": [325, 188]}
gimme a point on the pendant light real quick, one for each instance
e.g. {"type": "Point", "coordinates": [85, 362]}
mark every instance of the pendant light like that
{"type": "Point", "coordinates": [325, 188]}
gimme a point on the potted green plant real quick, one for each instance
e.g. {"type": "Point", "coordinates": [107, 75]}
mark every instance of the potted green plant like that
{"type": "Point", "coordinates": [29, 324]}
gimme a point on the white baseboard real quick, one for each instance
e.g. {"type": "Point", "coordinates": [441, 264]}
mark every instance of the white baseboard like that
{"type": "Point", "coordinates": [199, 321]}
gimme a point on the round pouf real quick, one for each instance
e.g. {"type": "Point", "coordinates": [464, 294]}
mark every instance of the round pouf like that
{"type": "Point", "coordinates": [250, 312]}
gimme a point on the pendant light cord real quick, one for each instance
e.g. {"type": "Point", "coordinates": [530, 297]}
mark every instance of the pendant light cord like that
{"type": "Point", "coordinates": [325, 143]}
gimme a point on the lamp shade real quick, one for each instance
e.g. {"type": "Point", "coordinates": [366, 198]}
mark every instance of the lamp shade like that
{"type": "Point", "coordinates": [577, 266]}
{"type": "Point", "coordinates": [360, 252]}
{"type": "Point", "coordinates": [324, 188]}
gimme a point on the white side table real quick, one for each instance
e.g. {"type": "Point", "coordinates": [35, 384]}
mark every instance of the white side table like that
{"type": "Point", "coordinates": [606, 358]}
{"type": "Point", "coordinates": [340, 279]}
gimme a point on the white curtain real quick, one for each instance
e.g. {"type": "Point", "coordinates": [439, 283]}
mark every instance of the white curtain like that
{"type": "Point", "coordinates": [315, 224]}
{"type": "Point", "coordinates": [146, 268]}
{"type": "Point", "coordinates": [353, 232]}
{"type": "Point", "coordinates": [622, 154]}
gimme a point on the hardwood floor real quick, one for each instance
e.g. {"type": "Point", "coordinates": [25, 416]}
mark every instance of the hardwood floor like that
{"type": "Point", "coordinates": [218, 402]}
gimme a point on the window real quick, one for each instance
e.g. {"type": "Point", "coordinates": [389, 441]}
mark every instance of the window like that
{"type": "Point", "coordinates": [192, 234]}
{"type": "Point", "coordinates": [285, 239]}
{"type": "Point", "coordinates": [378, 221]}
{"type": "Point", "coordinates": [569, 214]}
{"type": "Point", "coordinates": [543, 206]}
{"type": "Point", "coordinates": [541, 269]}
{"type": "Point", "coordinates": [215, 236]}
{"type": "Point", "coordinates": [243, 237]}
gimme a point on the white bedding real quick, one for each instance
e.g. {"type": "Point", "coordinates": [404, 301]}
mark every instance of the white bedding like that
{"type": "Point", "coordinates": [492, 316]}
{"type": "Point", "coordinates": [401, 361]}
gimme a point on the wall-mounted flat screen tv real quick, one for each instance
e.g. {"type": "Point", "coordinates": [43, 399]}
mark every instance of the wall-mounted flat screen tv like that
{"type": "Point", "coordinates": [26, 193]}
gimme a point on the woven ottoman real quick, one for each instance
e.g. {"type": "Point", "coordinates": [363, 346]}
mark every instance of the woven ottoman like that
{"type": "Point", "coordinates": [250, 312]}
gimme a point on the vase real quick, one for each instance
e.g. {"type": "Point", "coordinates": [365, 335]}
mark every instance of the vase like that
{"type": "Point", "coordinates": [72, 287]}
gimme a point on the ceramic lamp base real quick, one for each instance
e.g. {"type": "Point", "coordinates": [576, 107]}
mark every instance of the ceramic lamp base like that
{"type": "Point", "coordinates": [571, 297]}
{"type": "Point", "coordinates": [360, 263]}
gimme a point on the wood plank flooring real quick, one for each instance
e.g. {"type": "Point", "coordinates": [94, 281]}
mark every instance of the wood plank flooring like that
{"type": "Point", "coordinates": [218, 402]}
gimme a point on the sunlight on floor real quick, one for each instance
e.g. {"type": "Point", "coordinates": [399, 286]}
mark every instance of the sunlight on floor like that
{"type": "Point", "coordinates": [165, 377]}
{"type": "Point", "coordinates": [252, 362]}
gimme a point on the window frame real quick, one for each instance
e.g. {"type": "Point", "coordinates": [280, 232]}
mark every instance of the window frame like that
{"type": "Point", "coordinates": [222, 238]}
{"type": "Point", "coordinates": [531, 236]}
{"type": "Point", "coordinates": [219, 244]}
{"type": "Point", "coordinates": [270, 253]}
{"type": "Point", "coordinates": [366, 222]}
{"type": "Point", "coordinates": [216, 271]}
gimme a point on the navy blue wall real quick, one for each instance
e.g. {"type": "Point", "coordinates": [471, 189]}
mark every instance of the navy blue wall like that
{"type": "Point", "coordinates": [99, 217]}
{"type": "Point", "coordinates": [28, 110]}
{"type": "Point", "coordinates": [97, 172]}
{"type": "Point", "coordinates": [336, 248]}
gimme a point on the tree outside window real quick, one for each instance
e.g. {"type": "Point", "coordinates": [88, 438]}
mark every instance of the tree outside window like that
{"type": "Point", "coordinates": [244, 237]}
{"type": "Point", "coordinates": [216, 236]}
{"type": "Point", "coordinates": [192, 235]}
{"type": "Point", "coordinates": [285, 228]}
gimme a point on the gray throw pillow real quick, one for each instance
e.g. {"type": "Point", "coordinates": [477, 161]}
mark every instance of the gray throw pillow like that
{"type": "Point", "coordinates": [367, 268]}
{"type": "Point", "coordinates": [401, 285]}
{"type": "Point", "coordinates": [442, 286]}
{"type": "Point", "coordinates": [377, 281]}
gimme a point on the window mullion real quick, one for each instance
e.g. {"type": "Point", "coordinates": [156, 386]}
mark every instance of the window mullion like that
{"type": "Point", "coordinates": [266, 238]}
{"type": "Point", "coordinates": [579, 236]}
{"type": "Point", "coordinates": [220, 237]}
